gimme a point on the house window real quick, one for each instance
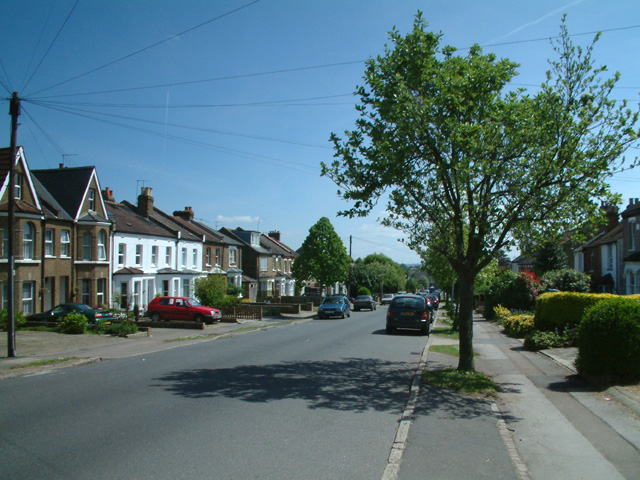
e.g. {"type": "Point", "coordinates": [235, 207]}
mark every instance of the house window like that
{"type": "Point", "coordinates": [28, 297]}
{"type": "Point", "coordinates": [273, 263]}
{"type": "Point", "coordinates": [28, 237]}
{"type": "Point", "coordinates": [184, 258]}
{"type": "Point", "coordinates": [218, 256]}
{"type": "Point", "coordinates": [136, 294]}
{"type": "Point", "coordinates": [165, 288]}
{"type": "Point", "coordinates": [65, 242]}
{"type": "Point", "coordinates": [92, 199]}
{"type": "Point", "coordinates": [154, 255]}
{"type": "Point", "coordinates": [122, 253]}
{"type": "Point", "coordinates": [167, 258]}
{"type": "Point", "coordinates": [17, 177]}
{"type": "Point", "coordinates": [101, 290]}
{"type": "Point", "coordinates": [124, 296]}
{"type": "Point", "coordinates": [611, 255]}
{"type": "Point", "coordinates": [86, 291]}
{"type": "Point", "coordinates": [208, 256]}
{"type": "Point", "coordinates": [185, 287]}
{"type": "Point", "coordinates": [102, 245]}
{"type": "Point", "coordinates": [194, 258]}
{"type": "Point", "coordinates": [86, 246]}
{"type": "Point", "coordinates": [263, 264]}
{"type": "Point", "coordinates": [632, 237]}
{"type": "Point", "coordinates": [48, 242]}
{"type": "Point", "coordinates": [5, 296]}
{"type": "Point", "coordinates": [233, 254]}
{"type": "Point", "coordinates": [139, 255]}
{"type": "Point", "coordinates": [5, 243]}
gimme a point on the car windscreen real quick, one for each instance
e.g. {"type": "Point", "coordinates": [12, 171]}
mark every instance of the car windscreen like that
{"type": "Point", "coordinates": [194, 302]}
{"type": "Point", "coordinates": [408, 302]}
{"type": "Point", "coordinates": [332, 300]}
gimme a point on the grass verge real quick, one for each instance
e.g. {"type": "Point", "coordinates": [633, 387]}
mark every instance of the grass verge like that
{"type": "Point", "coordinates": [453, 379]}
{"type": "Point", "coordinates": [446, 332]}
{"type": "Point", "coordinates": [453, 350]}
{"type": "Point", "coordinates": [40, 363]}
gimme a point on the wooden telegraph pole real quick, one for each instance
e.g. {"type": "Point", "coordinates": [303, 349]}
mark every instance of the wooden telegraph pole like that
{"type": "Point", "coordinates": [14, 111]}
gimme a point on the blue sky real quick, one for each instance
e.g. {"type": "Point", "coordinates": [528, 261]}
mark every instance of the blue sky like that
{"type": "Point", "coordinates": [242, 107]}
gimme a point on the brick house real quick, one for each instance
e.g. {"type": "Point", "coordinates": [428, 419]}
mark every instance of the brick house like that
{"type": "Point", "coordinates": [61, 236]}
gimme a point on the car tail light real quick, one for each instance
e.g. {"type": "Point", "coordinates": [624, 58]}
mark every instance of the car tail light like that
{"type": "Point", "coordinates": [425, 315]}
{"type": "Point", "coordinates": [98, 315]}
{"type": "Point", "coordinates": [389, 314]}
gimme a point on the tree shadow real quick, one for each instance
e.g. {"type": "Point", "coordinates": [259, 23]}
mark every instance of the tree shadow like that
{"type": "Point", "coordinates": [351, 384]}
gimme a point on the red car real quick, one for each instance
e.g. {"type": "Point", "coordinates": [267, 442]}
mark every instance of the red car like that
{"type": "Point", "coordinates": [181, 308]}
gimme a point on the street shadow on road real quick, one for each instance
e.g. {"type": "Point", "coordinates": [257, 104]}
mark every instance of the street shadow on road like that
{"type": "Point", "coordinates": [350, 384]}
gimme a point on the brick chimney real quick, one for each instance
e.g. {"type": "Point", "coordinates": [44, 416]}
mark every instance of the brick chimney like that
{"type": "Point", "coordinates": [107, 195]}
{"type": "Point", "coordinates": [186, 214]}
{"type": "Point", "coordinates": [145, 202]}
{"type": "Point", "coordinates": [275, 234]}
{"type": "Point", "coordinates": [611, 212]}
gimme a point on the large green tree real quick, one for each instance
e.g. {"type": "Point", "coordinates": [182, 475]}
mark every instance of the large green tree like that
{"type": "Point", "coordinates": [323, 256]}
{"type": "Point", "coordinates": [470, 164]}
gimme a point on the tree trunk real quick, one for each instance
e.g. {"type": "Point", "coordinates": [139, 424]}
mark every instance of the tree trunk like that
{"type": "Point", "coordinates": [465, 317]}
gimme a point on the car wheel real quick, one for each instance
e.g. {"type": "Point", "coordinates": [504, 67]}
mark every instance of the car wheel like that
{"type": "Point", "coordinates": [425, 331]}
{"type": "Point", "coordinates": [342, 315]}
{"type": "Point", "coordinates": [349, 314]}
{"type": "Point", "coordinates": [198, 319]}
{"type": "Point", "coordinates": [155, 317]}
{"type": "Point", "coordinates": [391, 331]}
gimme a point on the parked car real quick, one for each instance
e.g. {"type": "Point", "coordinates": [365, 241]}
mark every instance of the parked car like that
{"type": "Point", "coordinates": [433, 299]}
{"type": "Point", "coordinates": [336, 306]}
{"type": "Point", "coordinates": [58, 312]}
{"type": "Point", "coordinates": [181, 308]}
{"type": "Point", "coordinates": [386, 298]}
{"type": "Point", "coordinates": [410, 312]}
{"type": "Point", "coordinates": [364, 301]}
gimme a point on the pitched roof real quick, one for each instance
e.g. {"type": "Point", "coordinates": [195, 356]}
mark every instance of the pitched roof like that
{"type": "Point", "coordinates": [277, 247]}
{"type": "Point", "coordinates": [128, 220]}
{"type": "Point", "coordinates": [66, 185]}
{"type": "Point", "coordinates": [166, 221]}
{"type": "Point", "coordinates": [196, 229]}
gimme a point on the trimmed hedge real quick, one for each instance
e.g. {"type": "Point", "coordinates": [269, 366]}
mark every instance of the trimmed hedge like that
{"type": "Point", "coordinates": [557, 311]}
{"type": "Point", "coordinates": [518, 326]}
{"type": "Point", "coordinates": [609, 339]}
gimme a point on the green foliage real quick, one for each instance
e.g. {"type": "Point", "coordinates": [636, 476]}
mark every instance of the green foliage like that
{"type": "Point", "coordinates": [511, 290]}
{"type": "Point", "coordinates": [566, 280]}
{"type": "Point", "coordinates": [549, 256]}
{"type": "Point", "coordinates": [561, 310]}
{"type": "Point", "coordinates": [376, 272]}
{"type": "Point", "coordinates": [18, 320]}
{"type": "Point", "coordinates": [500, 313]}
{"type": "Point", "coordinates": [211, 290]}
{"type": "Point", "coordinates": [412, 285]}
{"type": "Point", "coordinates": [518, 326]}
{"type": "Point", "coordinates": [363, 291]}
{"type": "Point", "coordinates": [121, 329]}
{"type": "Point", "coordinates": [323, 256]}
{"type": "Point", "coordinates": [468, 164]}
{"type": "Point", "coordinates": [609, 339]}
{"type": "Point", "coordinates": [536, 340]}
{"type": "Point", "coordinates": [233, 290]}
{"type": "Point", "coordinates": [74, 323]}
{"type": "Point", "coordinates": [460, 381]}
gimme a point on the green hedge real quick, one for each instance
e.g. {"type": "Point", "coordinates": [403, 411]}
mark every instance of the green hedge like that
{"type": "Point", "coordinates": [518, 326]}
{"type": "Point", "coordinates": [609, 339]}
{"type": "Point", "coordinates": [557, 311]}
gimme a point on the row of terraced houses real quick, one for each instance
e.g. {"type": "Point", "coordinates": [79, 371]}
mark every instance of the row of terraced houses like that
{"type": "Point", "coordinates": [74, 243]}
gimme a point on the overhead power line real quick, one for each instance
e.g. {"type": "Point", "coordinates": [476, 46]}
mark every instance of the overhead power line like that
{"type": "Point", "coordinates": [147, 48]}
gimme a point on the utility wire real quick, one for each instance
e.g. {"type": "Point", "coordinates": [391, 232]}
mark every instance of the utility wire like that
{"type": "Point", "coordinates": [206, 80]}
{"type": "Point", "coordinates": [43, 131]}
{"type": "Point", "coordinates": [51, 45]}
{"type": "Point", "coordinates": [9, 89]}
{"type": "Point", "coordinates": [239, 153]}
{"type": "Point", "coordinates": [66, 108]}
{"type": "Point", "coordinates": [35, 50]}
{"type": "Point", "coordinates": [148, 47]}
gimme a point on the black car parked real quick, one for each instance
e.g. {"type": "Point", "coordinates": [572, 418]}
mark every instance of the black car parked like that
{"type": "Point", "coordinates": [411, 312]}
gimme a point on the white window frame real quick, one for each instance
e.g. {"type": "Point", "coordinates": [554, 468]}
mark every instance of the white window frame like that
{"type": "Point", "coordinates": [184, 257]}
{"type": "Point", "coordinates": [154, 255]}
{"type": "Point", "coordinates": [86, 247]}
{"type": "Point", "coordinates": [139, 253]}
{"type": "Point", "coordinates": [28, 241]}
{"type": "Point", "coordinates": [17, 177]}
{"type": "Point", "coordinates": [207, 256]}
{"type": "Point", "coordinates": [264, 264]}
{"type": "Point", "coordinates": [65, 243]}
{"type": "Point", "coordinates": [91, 197]}
{"type": "Point", "coordinates": [102, 245]}
{"type": "Point", "coordinates": [194, 258]}
{"type": "Point", "coordinates": [122, 253]}
{"type": "Point", "coordinates": [28, 297]}
{"type": "Point", "coordinates": [101, 291]}
{"type": "Point", "coordinates": [168, 255]}
{"type": "Point", "coordinates": [233, 256]}
{"type": "Point", "coordinates": [49, 234]}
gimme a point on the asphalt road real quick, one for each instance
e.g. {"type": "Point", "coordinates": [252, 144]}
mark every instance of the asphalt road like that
{"type": "Point", "coordinates": [315, 400]}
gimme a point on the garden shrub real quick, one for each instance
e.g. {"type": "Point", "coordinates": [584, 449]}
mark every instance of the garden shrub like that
{"type": "Point", "coordinates": [609, 339]}
{"type": "Point", "coordinates": [74, 324]}
{"type": "Point", "coordinates": [511, 290]}
{"type": "Point", "coordinates": [561, 310]}
{"type": "Point", "coordinates": [500, 313]}
{"type": "Point", "coordinates": [518, 326]}
{"type": "Point", "coordinates": [363, 291]}
{"type": "Point", "coordinates": [543, 340]}
{"type": "Point", "coordinates": [18, 320]}
{"type": "Point", "coordinates": [567, 280]}
{"type": "Point", "coordinates": [121, 329]}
